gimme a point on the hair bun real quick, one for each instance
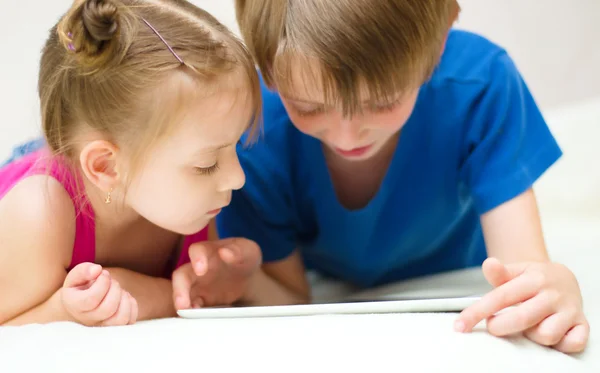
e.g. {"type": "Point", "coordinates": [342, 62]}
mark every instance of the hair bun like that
{"type": "Point", "coordinates": [100, 18]}
{"type": "Point", "coordinates": [95, 32]}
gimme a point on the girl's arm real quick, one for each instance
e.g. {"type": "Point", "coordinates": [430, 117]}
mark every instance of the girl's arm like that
{"type": "Point", "coordinates": [51, 310]}
{"type": "Point", "coordinates": [37, 231]}
{"type": "Point", "coordinates": [154, 295]}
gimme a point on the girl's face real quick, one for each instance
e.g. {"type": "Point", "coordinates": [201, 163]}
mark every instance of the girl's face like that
{"type": "Point", "coordinates": [188, 177]}
{"type": "Point", "coordinates": [353, 139]}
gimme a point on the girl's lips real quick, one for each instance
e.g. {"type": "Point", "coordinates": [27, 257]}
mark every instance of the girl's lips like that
{"type": "Point", "coordinates": [215, 211]}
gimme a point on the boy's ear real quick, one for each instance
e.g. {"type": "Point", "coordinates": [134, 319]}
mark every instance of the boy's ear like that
{"type": "Point", "coordinates": [454, 12]}
{"type": "Point", "coordinates": [98, 161]}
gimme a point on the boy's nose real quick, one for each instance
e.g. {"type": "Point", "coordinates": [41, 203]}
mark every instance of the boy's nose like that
{"type": "Point", "coordinates": [345, 135]}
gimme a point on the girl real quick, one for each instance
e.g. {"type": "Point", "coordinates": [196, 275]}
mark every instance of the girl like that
{"type": "Point", "coordinates": [396, 147]}
{"type": "Point", "coordinates": [142, 105]}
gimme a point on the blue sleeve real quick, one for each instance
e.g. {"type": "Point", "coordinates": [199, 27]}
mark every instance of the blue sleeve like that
{"type": "Point", "coordinates": [262, 210]}
{"type": "Point", "coordinates": [509, 145]}
{"type": "Point", "coordinates": [24, 149]}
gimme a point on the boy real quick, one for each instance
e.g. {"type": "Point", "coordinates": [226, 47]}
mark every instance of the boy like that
{"type": "Point", "coordinates": [395, 147]}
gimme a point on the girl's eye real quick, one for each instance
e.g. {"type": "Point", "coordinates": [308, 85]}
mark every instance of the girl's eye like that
{"type": "Point", "coordinates": [205, 171]}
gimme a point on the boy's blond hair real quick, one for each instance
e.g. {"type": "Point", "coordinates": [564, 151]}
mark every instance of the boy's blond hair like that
{"type": "Point", "coordinates": [385, 46]}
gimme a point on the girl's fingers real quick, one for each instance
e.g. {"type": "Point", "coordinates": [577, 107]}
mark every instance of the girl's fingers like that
{"type": "Point", "coordinates": [92, 297]}
{"type": "Point", "coordinates": [110, 304]}
{"type": "Point", "coordinates": [123, 314]}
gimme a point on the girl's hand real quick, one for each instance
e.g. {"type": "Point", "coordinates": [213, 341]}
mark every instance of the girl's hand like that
{"type": "Point", "coordinates": [219, 273]}
{"type": "Point", "coordinates": [94, 299]}
{"type": "Point", "coordinates": [548, 305]}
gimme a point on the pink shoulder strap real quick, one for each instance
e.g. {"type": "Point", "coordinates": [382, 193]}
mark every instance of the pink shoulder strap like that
{"type": "Point", "coordinates": [84, 247]}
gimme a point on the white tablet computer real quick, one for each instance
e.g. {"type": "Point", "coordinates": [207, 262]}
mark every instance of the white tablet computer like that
{"type": "Point", "coordinates": [361, 306]}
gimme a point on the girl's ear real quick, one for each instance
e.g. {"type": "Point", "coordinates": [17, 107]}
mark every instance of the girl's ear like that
{"type": "Point", "coordinates": [98, 161]}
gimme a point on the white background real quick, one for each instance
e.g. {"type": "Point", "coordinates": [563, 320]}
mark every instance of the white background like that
{"type": "Point", "coordinates": [555, 44]}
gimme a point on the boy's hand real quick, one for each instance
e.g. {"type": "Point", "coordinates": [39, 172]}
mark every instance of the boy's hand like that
{"type": "Point", "coordinates": [219, 273]}
{"type": "Point", "coordinates": [94, 299]}
{"type": "Point", "coordinates": [549, 307]}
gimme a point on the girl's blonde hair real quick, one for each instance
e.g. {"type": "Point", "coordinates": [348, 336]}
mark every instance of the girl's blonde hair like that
{"type": "Point", "coordinates": [387, 46]}
{"type": "Point", "coordinates": [104, 58]}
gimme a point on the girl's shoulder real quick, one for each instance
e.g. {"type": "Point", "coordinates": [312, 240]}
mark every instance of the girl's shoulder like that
{"type": "Point", "coordinates": [43, 198]}
{"type": "Point", "coordinates": [39, 219]}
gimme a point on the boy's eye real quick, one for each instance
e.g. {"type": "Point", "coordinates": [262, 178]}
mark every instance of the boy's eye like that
{"type": "Point", "coordinates": [385, 107]}
{"type": "Point", "coordinates": [311, 112]}
{"type": "Point", "coordinates": [205, 171]}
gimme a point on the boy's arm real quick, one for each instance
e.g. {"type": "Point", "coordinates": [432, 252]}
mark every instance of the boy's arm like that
{"type": "Point", "coordinates": [508, 147]}
{"type": "Point", "coordinates": [546, 299]}
{"type": "Point", "coordinates": [513, 231]}
{"type": "Point", "coordinates": [279, 283]}
{"type": "Point", "coordinates": [262, 212]}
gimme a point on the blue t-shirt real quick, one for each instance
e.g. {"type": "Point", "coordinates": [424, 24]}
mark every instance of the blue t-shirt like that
{"type": "Point", "coordinates": [475, 140]}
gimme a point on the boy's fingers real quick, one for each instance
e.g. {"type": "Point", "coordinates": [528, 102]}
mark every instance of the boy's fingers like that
{"type": "Point", "coordinates": [509, 294]}
{"type": "Point", "coordinates": [521, 318]}
{"type": "Point", "coordinates": [575, 340]}
{"type": "Point", "coordinates": [495, 272]}
{"type": "Point", "coordinates": [551, 330]}
{"type": "Point", "coordinates": [498, 274]}
{"type": "Point", "coordinates": [229, 255]}
{"type": "Point", "coordinates": [241, 252]}
{"type": "Point", "coordinates": [198, 303]}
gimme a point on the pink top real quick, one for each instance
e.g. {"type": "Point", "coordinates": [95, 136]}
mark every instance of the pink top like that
{"type": "Point", "coordinates": [84, 248]}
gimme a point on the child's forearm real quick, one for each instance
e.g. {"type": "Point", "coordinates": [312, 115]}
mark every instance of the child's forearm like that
{"type": "Point", "coordinates": [51, 310]}
{"type": "Point", "coordinates": [153, 294]}
{"type": "Point", "coordinates": [513, 231]}
{"type": "Point", "coordinates": [154, 297]}
{"type": "Point", "coordinates": [266, 291]}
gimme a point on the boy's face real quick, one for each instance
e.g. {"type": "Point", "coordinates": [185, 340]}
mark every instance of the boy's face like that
{"type": "Point", "coordinates": [356, 138]}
